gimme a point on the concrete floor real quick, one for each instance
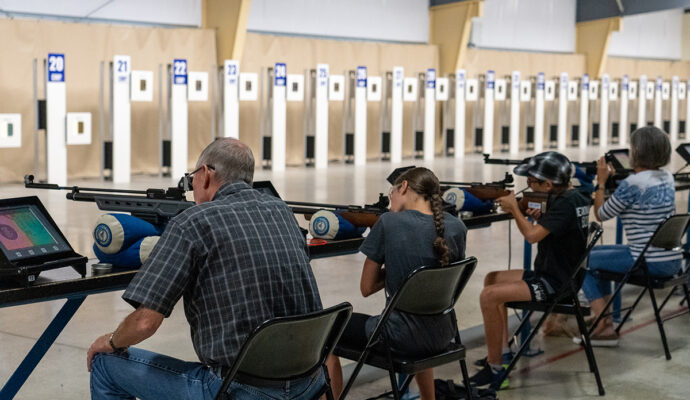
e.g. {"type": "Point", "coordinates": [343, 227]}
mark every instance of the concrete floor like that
{"type": "Point", "coordinates": [637, 369]}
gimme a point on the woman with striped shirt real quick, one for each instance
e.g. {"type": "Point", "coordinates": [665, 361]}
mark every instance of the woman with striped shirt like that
{"type": "Point", "coordinates": [642, 201]}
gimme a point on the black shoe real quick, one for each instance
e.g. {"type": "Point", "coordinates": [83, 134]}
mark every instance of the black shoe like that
{"type": "Point", "coordinates": [506, 359]}
{"type": "Point", "coordinates": [481, 363]}
{"type": "Point", "coordinates": [487, 376]}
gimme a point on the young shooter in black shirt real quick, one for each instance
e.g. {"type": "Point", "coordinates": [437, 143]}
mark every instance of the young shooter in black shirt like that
{"type": "Point", "coordinates": [561, 234]}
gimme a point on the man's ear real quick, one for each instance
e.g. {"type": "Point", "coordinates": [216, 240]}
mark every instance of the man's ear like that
{"type": "Point", "coordinates": [207, 177]}
{"type": "Point", "coordinates": [549, 185]}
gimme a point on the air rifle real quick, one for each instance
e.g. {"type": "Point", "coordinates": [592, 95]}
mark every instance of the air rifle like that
{"type": "Point", "coordinates": [360, 216]}
{"type": "Point", "coordinates": [156, 206]}
{"type": "Point", "coordinates": [589, 167]}
{"type": "Point", "coordinates": [483, 191]}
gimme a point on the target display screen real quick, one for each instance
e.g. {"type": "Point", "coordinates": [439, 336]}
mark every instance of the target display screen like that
{"type": "Point", "coordinates": [26, 233]}
{"type": "Point", "coordinates": [624, 160]}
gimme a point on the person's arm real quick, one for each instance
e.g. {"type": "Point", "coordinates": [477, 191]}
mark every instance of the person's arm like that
{"type": "Point", "coordinates": [533, 233]}
{"type": "Point", "coordinates": [603, 173]}
{"type": "Point", "coordinates": [373, 275]}
{"type": "Point", "coordinates": [155, 289]}
{"type": "Point", "coordinates": [140, 325]}
{"type": "Point", "coordinates": [373, 278]}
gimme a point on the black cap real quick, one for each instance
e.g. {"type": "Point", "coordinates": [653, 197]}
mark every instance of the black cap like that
{"type": "Point", "coordinates": [550, 165]}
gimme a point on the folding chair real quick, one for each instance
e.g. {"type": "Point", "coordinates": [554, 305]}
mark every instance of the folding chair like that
{"type": "Point", "coordinates": [426, 291]}
{"type": "Point", "coordinates": [288, 348]}
{"type": "Point", "coordinates": [566, 302]}
{"type": "Point", "coordinates": [667, 236]}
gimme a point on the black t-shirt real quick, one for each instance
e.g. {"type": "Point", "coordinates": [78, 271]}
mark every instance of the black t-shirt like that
{"type": "Point", "coordinates": [566, 219]}
{"type": "Point", "coordinates": [402, 242]}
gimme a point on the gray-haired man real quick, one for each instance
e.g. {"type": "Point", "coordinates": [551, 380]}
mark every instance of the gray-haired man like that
{"type": "Point", "coordinates": [238, 258]}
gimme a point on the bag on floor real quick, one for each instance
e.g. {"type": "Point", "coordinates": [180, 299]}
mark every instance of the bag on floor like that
{"type": "Point", "coordinates": [448, 390]}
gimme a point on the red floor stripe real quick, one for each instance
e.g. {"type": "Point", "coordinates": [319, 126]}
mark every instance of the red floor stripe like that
{"type": "Point", "coordinates": [553, 359]}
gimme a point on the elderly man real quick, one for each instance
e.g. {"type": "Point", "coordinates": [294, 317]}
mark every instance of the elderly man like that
{"type": "Point", "coordinates": [238, 258]}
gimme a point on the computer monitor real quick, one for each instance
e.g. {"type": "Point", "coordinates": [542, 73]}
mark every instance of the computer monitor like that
{"type": "Point", "coordinates": [620, 159]}
{"type": "Point", "coordinates": [684, 151]}
{"type": "Point", "coordinates": [28, 234]}
{"type": "Point", "coordinates": [266, 187]}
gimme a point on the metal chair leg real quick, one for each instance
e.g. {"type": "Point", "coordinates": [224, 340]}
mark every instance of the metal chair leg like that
{"type": "Point", "coordinates": [466, 379]}
{"type": "Point", "coordinates": [630, 310]}
{"type": "Point", "coordinates": [525, 345]}
{"type": "Point", "coordinates": [355, 372]}
{"type": "Point", "coordinates": [608, 303]}
{"type": "Point", "coordinates": [329, 388]}
{"type": "Point", "coordinates": [406, 384]}
{"type": "Point", "coordinates": [687, 294]}
{"type": "Point", "coordinates": [660, 324]}
{"type": "Point", "coordinates": [589, 351]}
{"type": "Point", "coordinates": [394, 384]}
{"type": "Point", "coordinates": [524, 320]}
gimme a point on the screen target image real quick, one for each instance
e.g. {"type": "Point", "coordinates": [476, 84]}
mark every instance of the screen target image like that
{"type": "Point", "coordinates": [20, 228]}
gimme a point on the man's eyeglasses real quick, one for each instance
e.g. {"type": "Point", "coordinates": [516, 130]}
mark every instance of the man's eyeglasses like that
{"type": "Point", "coordinates": [188, 177]}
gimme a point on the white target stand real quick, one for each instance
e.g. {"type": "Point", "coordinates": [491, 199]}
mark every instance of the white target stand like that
{"type": "Point", "coordinates": [624, 127]}
{"type": "Point", "coordinates": [178, 119]}
{"type": "Point", "coordinates": [489, 91]}
{"type": "Point", "coordinates": [321, 117]}
{"type": "Point", "coordinates": [657, 103]}
{"type": "Point", "coordinates": [56, 111]}
{"type": "Point", "coordinates": [121, 119]}
{"type": "Point", "coordinates": [642, 102]}
{"type": "Point", "coordinates": [360, 157]}
{"type": "Point", "coordinates": [430, 115]}
{"type": "Point", "coordinates": [231, 105]}
{"type": "Point", "coordinates": [562, 112]}
{"type": "Point", "coordinates": [515, 112]}
{"type": "Point", "coordinates": [539, 114]}
{"type": "Point", "coordinates": [604, 112]}
{"type": "Point", "coordinates": [397, 114]}
{"type": "Point", "coordinates": [674, 109]}
{"type": "Point", "coordinates": [459, 139]}
{"type": "Point", "coordinates": [278, 140]}
{"type": "Point", "coordinates": [584, 109]}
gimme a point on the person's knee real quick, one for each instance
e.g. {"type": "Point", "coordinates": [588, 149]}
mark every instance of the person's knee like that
{"type": "Point", "coordinates": [98, 364]}
{"type": "Point", "coordinates": [490, 278]}
{"type": "Point", "coordinates": [487, 297]}
{"type": "Point", "coordinates": [99, 377]}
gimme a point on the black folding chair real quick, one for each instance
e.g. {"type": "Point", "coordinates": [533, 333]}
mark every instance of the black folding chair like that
{"type": "Point", "coordinates": [565, 302]}
{"type": "Point", "coordinates": [426, 291]}
{"type": "Point", "coordinates": [288, 348]}
{"type": "Point", "coordinates": [667, 236]}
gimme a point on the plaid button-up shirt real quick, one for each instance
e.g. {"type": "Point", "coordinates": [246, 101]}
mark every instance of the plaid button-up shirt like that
{"type": "Point", "coordinates": [237, 260]}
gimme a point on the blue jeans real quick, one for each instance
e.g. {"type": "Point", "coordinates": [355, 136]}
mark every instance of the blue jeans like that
{"type": "Point", "coordinates": [617, 258]}
{"type": "Point", "coordinates": [148, 376]}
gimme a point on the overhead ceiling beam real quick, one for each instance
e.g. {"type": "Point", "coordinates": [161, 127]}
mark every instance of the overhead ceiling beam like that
{"type": "Point", "coordinates": [449, 29]}
{"type": "Point", "coordinates": [591, 10]}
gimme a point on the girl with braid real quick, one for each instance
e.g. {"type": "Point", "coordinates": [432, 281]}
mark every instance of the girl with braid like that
{"type": "Point", "coordinates": [417, 232]}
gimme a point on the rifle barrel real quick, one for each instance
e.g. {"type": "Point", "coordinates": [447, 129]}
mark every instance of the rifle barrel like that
{"type": "Point", "coordinates": [321, 205]}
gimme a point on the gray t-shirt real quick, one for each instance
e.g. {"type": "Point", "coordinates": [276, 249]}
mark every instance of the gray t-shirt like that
{"type": "Point", "coordinates": [402, 242]}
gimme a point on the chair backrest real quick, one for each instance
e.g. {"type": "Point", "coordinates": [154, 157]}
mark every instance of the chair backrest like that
{"type": "Point", "coordinates": [594, 233]}
{"type": "Point", "coordinates": [433, 290]}
{"type": "Point", "coordinates": [288, 348]}
{"type": "Point", "coordinates": [669, 234]}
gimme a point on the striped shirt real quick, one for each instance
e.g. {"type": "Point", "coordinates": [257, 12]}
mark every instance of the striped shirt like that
{"type": "Point", "coordinates": [643, 201]}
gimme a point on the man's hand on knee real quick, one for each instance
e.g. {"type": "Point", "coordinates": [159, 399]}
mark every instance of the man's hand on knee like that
{"type": "Point", "coordinates": [101, 345]}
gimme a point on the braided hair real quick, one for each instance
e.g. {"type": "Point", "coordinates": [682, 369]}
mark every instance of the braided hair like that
{"type": "Point", "coordinates": [423, 182]}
